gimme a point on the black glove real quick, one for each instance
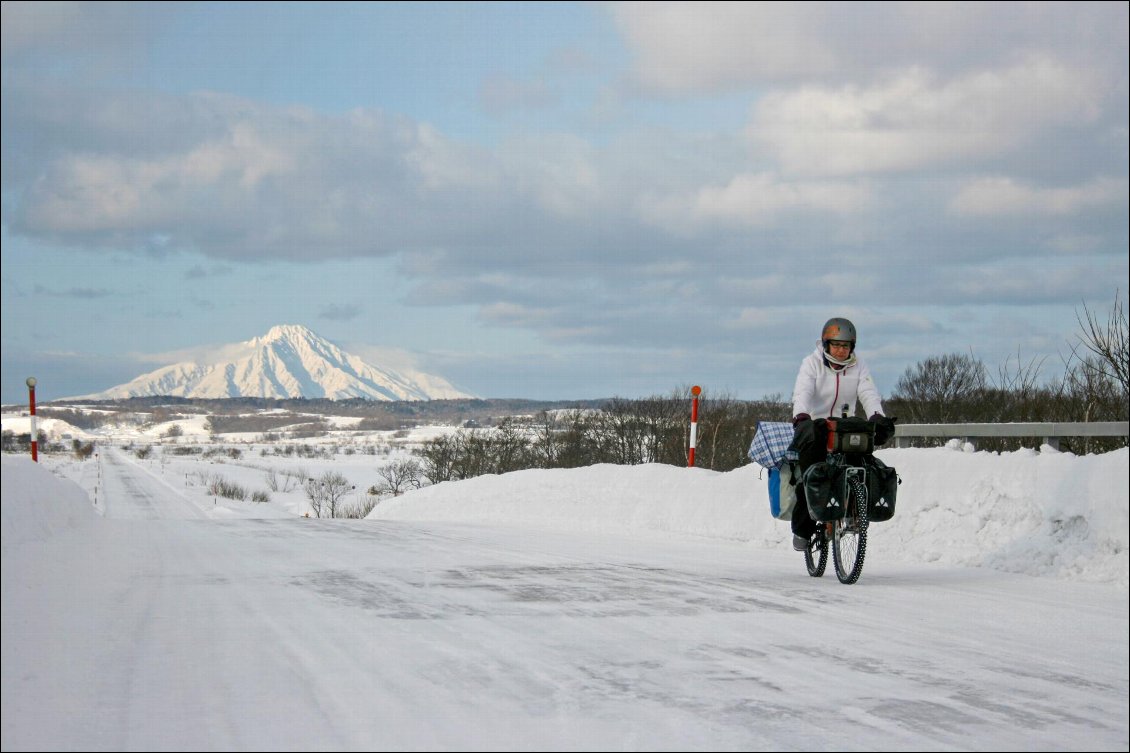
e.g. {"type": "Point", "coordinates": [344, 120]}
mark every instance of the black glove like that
{"type": "Point", "coordinates": [884, 428]}
{"type": "Point", "coordinates": [800, 417]}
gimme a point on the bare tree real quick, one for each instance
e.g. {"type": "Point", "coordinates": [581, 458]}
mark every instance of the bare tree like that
{"type": "Point", "coordinates": [401, 474]}
{"type": "Point", "coordinates": [545, 445]}
{"type": "Point", "coordinates": [1017, 395]}
{"type": "Point", "coordinates": [82, 451]}
{"type": "Point", "coordinates": [326, 493]}
{"type": "Point", "coordinates": [440, 456]}
{"type": "Point", "coordinates": [1108, 343]}
{"type": "Point", "coordinates": [621, 432]}
{"type": "Point", "coordinates": [575, 442]}
{"type": "Point", "coordinates": [510, 445]}
{"type": "Point", "coordinates": [316, 496]}
{"type": "Point", "coordinates": [936, 389]}
{"type": "Point", "coordinates": [720, 420]}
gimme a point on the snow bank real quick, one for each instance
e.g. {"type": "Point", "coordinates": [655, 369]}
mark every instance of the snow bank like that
{"type": "Point", "coordinates": [1041, 513]}
{"type": "Point", "coordinates": [35, 505]}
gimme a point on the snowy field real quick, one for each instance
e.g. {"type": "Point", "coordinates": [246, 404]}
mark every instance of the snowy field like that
{"type": "Point", "coordinates": [602, 608]}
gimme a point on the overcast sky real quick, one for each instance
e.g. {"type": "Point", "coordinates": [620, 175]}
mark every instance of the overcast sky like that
{"type": "Point", "coordinates": [556, 200]}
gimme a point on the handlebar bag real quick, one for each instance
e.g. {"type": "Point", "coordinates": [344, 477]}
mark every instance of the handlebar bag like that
{"type": "Point", "coordinates": [851, 435]}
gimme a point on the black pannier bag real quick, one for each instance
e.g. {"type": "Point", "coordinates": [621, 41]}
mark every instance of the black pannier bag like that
{"type": "Point", "coordinates": [824, 492]}
{"type": "Point", "coordinates": [882, 490]}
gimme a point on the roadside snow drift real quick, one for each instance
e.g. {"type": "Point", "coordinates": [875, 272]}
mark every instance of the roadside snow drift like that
{"type": "Point", "coordinates": [1041, 513]}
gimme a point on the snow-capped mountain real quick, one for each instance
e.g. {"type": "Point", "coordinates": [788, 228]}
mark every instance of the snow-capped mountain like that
{"type": "Point", "coordinates": [290, 361]}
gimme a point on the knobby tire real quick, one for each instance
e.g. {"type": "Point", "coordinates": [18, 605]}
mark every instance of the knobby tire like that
{"type": "Point", "coordinates": [816, 555]}
{"type": "Point", "coordinates": [849, 546]}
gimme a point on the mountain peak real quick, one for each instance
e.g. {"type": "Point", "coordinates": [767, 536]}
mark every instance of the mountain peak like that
{"type": "Point", "coordinates": [290, 361]}
{"type": "Point", "coordinates": [287, 332]}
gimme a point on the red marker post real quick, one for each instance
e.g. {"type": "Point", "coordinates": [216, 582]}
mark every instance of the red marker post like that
{"type": "Point", "coordinates": [31, 402]}
{"type": "Point", "coordinates": [695, 391]}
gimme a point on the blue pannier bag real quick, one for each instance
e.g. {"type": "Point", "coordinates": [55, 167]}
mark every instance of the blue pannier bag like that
{"type": "Point", "coordinates": [782, 492]}
{"type": "Point", "coordinates": [770, 449]}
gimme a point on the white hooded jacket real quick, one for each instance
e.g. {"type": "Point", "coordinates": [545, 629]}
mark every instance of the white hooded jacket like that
{"type": "Point", "coordinates": [822, 391]}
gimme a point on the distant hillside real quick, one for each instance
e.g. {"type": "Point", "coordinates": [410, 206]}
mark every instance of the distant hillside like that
{"type": "Point", "coordinates": [376, 415]}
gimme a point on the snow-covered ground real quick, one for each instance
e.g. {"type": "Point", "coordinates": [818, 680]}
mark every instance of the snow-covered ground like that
{"type": "Point", "coordinates": [609, 607]}
{"type": "Point", "coordinates": [1040, 513]}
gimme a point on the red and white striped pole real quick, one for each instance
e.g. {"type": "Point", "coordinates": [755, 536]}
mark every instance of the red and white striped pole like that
{"type": "Point", "coordinates": [31, 401]}
{"type": "Point", "coordinates": [696, 391]}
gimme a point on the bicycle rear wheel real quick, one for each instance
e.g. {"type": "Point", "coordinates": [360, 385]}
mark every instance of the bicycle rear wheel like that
{"type": "Point", "coordinates": [816, 555]}
{"type": "Point", "coordinates": [849, 543]}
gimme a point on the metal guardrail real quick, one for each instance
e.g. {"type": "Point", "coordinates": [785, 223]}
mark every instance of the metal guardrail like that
{"type": "Point", "coordinates": [1050, 432]}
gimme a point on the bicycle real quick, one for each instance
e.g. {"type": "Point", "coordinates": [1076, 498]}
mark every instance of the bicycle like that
{"type": "Point", "coordinates": [844, 486]}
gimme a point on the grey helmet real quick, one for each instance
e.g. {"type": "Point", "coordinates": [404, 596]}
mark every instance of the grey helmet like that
{"type": "Point", "coordinates": [838, 328]}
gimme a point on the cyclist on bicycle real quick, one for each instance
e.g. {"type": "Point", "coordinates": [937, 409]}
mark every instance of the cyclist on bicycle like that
{"type": "Point", "coordinates": [831, 378]}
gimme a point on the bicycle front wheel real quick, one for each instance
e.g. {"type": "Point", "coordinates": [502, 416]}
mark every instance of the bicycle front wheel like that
{"type": "Point", "coordinates": [849, 543]}
{"type": "Point", "coordinates": [816, 555]}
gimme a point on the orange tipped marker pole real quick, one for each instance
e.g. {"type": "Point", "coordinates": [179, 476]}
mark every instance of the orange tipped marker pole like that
{"type": "Point", "coordinates": [31, 402]}
{"type": "Point", "coordinates": [695, 391]}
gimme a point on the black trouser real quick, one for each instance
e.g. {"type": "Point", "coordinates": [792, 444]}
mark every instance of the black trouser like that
{"type": "Point", "coordinates": [803, 524]}
{"type": "Point", "coordinates": [810, 442]}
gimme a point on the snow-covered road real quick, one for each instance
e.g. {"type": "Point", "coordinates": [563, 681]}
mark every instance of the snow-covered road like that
{"type": "Point", "coordinates": [296, 633]}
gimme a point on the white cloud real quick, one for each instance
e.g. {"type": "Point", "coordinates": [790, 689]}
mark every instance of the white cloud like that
{"type": "Point", "coordinates": [441, 163]}
{"type": "Point", "coordinates": [1002, 196]}
{"type": "Point", "coordinates": [695, 48]}
{"type": "Point", "coordinates": [755, 200]}
{"type": "Point", "coordinates": [1019, 280]}
{"type": "Point", "coordinates": [765, 318]}
{"type": "Point", "coordinates": [397, 359]}
{"type": "Point", "coordinates": [108, 192]}
{"type": "Point", "coordinates": [914, 120]}
{"type": "Point", "coordinates": [559, 172]}
{"type": "Point", "coordinates": [760, 197]}
{"type": "Point", "coordinates": [701, 46]}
